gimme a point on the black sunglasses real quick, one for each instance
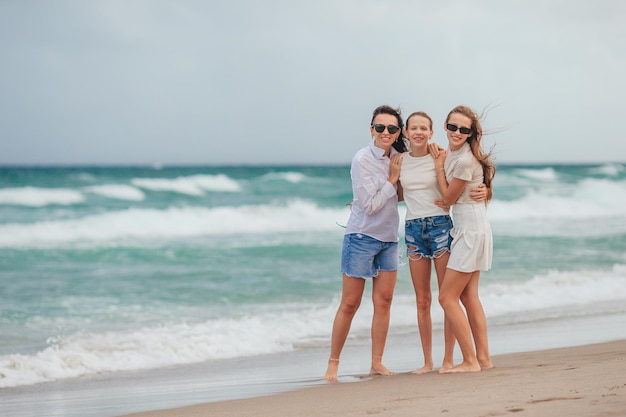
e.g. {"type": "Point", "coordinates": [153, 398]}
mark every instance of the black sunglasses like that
{"type": "Point", "coordinates": [463, 130]}
{"type": "Point", "coordinates": [381, 128]}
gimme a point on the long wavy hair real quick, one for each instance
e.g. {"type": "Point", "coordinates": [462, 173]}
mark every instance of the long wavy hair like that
{"type": "Point", "coordinates": [485, 159]}
{"type": "Point", "coordinates": [399, 144]}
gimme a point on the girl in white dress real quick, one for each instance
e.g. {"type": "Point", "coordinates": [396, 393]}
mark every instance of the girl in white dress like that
{"type": "Point", "coordinates": [463, 167]}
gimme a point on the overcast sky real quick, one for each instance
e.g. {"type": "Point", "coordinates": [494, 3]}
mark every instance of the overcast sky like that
{"type": "Point", "coordinates": [289, 82]}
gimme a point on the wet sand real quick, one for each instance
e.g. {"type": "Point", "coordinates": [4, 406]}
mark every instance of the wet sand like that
{"type": "Point", "coordinates": [587, 380]}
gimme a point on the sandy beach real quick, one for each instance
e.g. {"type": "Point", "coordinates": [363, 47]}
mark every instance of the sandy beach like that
{"type": "Point", "coordinates": [585, 380]}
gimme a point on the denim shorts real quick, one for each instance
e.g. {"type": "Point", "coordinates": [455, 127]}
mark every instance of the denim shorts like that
{"type": "Point", "coordinates": [428, 237]}
{"type": "Point", "coordinates": [363, 256]}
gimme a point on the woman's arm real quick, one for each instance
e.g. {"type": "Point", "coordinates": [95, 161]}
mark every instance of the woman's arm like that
{"type": "Point", "coordinates": [373, 192]}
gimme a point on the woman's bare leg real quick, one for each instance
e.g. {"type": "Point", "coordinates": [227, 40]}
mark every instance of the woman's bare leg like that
{"type": "Point", "coordinates": [382, 294]}
{"type": "Point", "coordinates": [448, 353]}
{"type": "Point", "coordinates": [477, 321]}
{"type": "Point", "coordinates": [351, 295]}
{"type": "Point", "coordinates": [420, 275]}
{"type": "Point", "coordinates": [454, 282]}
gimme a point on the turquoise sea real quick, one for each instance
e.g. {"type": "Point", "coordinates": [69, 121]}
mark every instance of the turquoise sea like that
{"type": "Point", "coordinates": [124, 272]}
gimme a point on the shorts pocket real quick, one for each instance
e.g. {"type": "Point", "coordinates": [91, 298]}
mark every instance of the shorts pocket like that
{"type": "Point", "coordinates": [442, 221]}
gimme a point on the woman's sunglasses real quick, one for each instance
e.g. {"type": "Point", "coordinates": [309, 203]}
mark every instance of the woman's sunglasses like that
{"type": "Point", "coordinates": [463, 130]}
{"type": "Point", "coordinates": [381, 128]}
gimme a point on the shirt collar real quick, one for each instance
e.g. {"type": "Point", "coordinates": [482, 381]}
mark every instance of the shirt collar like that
{"type": "Point", "coordinates": [462, 148]}
{"type": "Point", "coordinates": [380, 153]}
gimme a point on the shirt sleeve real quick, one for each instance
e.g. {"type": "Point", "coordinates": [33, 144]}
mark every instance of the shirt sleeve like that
{"type": "Point", "coordinates": [372, 190]}
{"type": "Point", "coordinates": [463, 169]}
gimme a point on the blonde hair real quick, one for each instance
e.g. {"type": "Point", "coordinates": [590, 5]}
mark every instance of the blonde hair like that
{"type": "Point", "coordinates": [422, 114]}
{"type": "Point", "coordinates": [489, 168]}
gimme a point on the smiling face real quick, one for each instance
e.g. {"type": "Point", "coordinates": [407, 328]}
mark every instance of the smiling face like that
{"type": "Point", "coordinates": [384, 140]}
{"type": "Point", "coordinates": [456, 139]}
{"type": "Point", "coordinates": [419, 131]}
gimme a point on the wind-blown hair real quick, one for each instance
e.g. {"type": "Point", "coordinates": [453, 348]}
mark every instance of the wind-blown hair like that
{"type": "Point", "coordinates": [489, 168]}
{"type": "Point", "coordinates": [399, 144]}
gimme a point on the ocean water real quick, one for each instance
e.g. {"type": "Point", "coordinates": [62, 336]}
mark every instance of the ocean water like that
{"type": "Point", "coordinates": [115, 269]}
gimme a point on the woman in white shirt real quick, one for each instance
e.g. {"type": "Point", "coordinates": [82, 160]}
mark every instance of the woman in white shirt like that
{"type": "Point", "coordinates": [427, 230]}
{"type": "Point", "coordinates": [463, 167]}
{"type": "Point", "coordinates": [370, 246]}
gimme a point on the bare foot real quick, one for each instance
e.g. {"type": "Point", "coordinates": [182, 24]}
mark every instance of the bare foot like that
{"type": "Point", "coordinates": [447, 365]}
{"type": "Point", "coordinates": [462, 367]}
{"type": "Point", "coordinates": [486, 364]}
{"type": "Point", "coordinates": [331, 371]}
{"type": "Point", "coordinates": [380, 369]}
{"type": "Point", "coordinates": [423, 370]}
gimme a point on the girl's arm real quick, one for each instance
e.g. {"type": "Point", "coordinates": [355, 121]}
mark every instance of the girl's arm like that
{"type": "Point", "coordinates": [480, 193]}
{"type": "Point", "coordinates": [400, 192]}
{"type": "Point", "coordinates": [395, 167]}
{"type": "Point", "coordinates": [449, 192]}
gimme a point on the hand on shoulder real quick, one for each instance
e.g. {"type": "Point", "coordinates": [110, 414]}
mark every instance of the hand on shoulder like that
{"type": "Point", "coordinates": [435, 150]}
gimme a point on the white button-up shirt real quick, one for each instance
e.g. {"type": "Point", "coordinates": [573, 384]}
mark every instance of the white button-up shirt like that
{"type": "Point", "coordinates": [375, 200]}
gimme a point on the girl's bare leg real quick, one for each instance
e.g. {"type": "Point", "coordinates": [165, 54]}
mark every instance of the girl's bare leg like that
{"type": "Point", "coordinates": [420, 275]}
{"type": "Point", "coordinates": [454, 282]}
{"type": "Point", "coordinates": [477, 321]}
{"type": "Point", "coordinates": [382, 294]}
{"type": "Point", "coordinates": [448, 354]}
{"type": "Point", "coordinates": [351, 295]}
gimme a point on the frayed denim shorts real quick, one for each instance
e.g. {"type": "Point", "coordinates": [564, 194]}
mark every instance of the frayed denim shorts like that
{"type": "Point", "coordinates": [428, 237]}
{"type": "Point", "coordinates": [363, 256]}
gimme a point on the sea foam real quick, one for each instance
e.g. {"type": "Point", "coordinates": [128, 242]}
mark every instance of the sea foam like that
{"type": "Point", "coordinates": [136, 225]}
{"type": "Point", "coordinates": [611, 170]}
{"type": "Point", "coordinates": [267, 329]}
{"type": "Point", "coordinates": [40, 197]}
{"type": "Point", "coordinates": [292, 177]}
{"type": "Point", "coordinates": [544, 174]}
{"type": "Point", "coordinates": [191, 185]}
{"type": "Point", "coordinates": [590, 198]}
{"type": "Point", "coordinates": [117, 191]}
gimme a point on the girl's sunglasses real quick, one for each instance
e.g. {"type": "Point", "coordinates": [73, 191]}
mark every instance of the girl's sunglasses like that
{"type": "Point", "coordinates": [381, 128]}
{"type": "Point", "coordinates": [463, 130]}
